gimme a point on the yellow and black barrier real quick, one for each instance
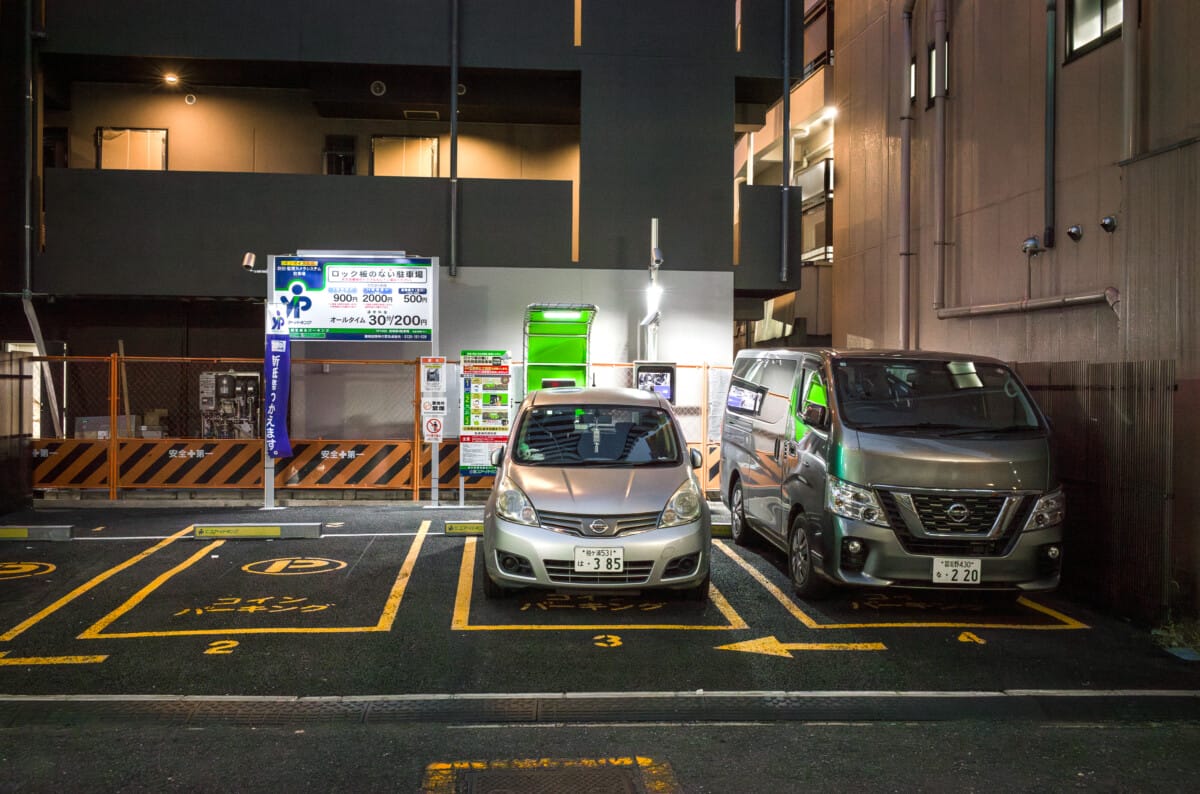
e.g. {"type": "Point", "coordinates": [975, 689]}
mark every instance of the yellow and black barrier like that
{"type": "Point", "coordinates": [44, 532]}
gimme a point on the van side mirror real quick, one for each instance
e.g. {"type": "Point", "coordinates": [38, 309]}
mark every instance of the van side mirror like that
{"type": "Point", "coordinates": [696, 458]}
{"type": "Point", "coordinates": [815, 416]}
{"type": "Point", "coordinates": [497, 455]}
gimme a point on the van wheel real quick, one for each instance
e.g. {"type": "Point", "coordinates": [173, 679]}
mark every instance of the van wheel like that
{"type": "Point", "coordinates": [806, 582]}
{"type": "Point", "coordinates": [741, 533]}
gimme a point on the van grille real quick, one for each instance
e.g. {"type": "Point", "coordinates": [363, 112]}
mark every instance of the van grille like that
{"type": "Point", "coordinates": [966, 539]}
{"type": "Point", "coordinates": [563, 572]}
{"type": "Point", "coordinates": [575, 524]}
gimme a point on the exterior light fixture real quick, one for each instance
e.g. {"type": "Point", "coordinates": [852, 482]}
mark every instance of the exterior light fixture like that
{"type": "Point", "coordinates": [829, 113]}
{"type": "Point", "coordinates": [171, 79]}
{"type": "Point", "coordinates": [561, 314]}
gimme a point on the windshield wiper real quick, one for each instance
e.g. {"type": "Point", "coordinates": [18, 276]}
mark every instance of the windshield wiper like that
{"type": "Point", "coordinates": [970, 431]}
{"type": "Point", "coordinates": [913, 426]}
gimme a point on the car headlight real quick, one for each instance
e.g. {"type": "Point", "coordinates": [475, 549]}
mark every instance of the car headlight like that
{"type": "Point", "coordinates": [513, 505]}
{"type": "Point", "coordinates": [683, 507]}
{"type": "Point", "coordinates": [1049, 510]}
{"type": "Point", "coordinates": [854, 502]}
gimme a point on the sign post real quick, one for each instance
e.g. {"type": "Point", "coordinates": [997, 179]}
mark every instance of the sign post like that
{"type": "Point", "coordinates": [486, 410]}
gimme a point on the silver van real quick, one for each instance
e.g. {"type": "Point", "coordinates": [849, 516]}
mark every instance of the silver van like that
{"type": "Point", "coordinates": [892, 469]}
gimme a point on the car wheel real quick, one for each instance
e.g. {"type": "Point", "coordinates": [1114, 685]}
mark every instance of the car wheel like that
{"type": "Point", "coordinates": [806, 582]}
{"type": "Point", "coordinates": [699, 593]}
{"type": "Point", "coordinates": [741, 533]}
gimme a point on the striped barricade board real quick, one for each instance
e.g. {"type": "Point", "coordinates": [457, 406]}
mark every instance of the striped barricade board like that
{"type": "Point", "coordinates": [346, 464]}
{"type": "Point", "coordinates": [69, 462]}
{"type": "Point", "coordinates": [189, 463]}
{"type": "Point", "coordinates": [448, 468]}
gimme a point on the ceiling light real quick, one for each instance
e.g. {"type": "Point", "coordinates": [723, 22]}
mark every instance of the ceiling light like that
{"type": "Point", "coordinates": [170, 78]}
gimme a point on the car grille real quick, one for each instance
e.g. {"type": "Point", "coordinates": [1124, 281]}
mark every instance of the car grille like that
{"type": "Point", "coordinates": [966, 539]}
{"type": "Point", "coordinates": [563, 572]}
{"type": "Point", "coordinates": [575, 524]}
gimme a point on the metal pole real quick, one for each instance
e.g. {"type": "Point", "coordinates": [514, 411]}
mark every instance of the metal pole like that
{"type": "Point", "coordinates": [453, 139]}
{"type": "Point", "coordinates": [786, 141]}
{"type": "Point", "coordinates": [1051, 96]}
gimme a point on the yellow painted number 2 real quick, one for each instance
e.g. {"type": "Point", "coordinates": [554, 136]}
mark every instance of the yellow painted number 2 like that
{"type": "Point", "coordinates": [221, 647]}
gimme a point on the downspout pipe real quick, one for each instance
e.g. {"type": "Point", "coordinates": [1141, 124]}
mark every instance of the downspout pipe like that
{"type": "Point", "coordinates": [1129, 78]}
{"type": "Point", "coordinates": [786, 141]}
{"type": "Point", "coordinates": [27, 150]}
{"type": "Point", "coordinates": [453, 265]}
{"type": "Point", "coordinates": [940, 26]}
{"type": "Point", "coordinates": [1051, 124]}
{"type": "Point", "coordinates": [1109, 295]}
{"type": "Point", "coordinates": [906, 121]}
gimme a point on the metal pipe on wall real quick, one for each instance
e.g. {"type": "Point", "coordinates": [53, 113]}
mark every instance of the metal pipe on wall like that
{"type": "Point", "coordinates": [453, 263]}
{"type": "Point", "coordinates": [1129, 78]}
{"type": "Point", "coordinates": [1051, 125]}
{"type": "Point", "coordinates": [940, 27]}
{"type": "Point", "coordinates": [786, 141]}
{"type": "Point", "coordinates": [906, 120]}
{"type": "Point", "coordinates": [27, 150]}
{"type": "Point", "coordinates": [1110, 295]}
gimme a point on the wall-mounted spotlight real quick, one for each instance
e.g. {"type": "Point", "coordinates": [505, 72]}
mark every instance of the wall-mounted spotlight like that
{"type": "Point", "coordinates": [171, 79]}
{"type": "Point", "coordinates": [1032, 246]}
{"type": "Point", "coordinates": [1109, 223]}
{"type": "Point", "coordinates": [1075, 232]}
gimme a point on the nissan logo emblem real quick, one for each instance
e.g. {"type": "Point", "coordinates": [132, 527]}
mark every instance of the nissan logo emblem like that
{"type": "Point", "coordinates": [598, 527]}
{"type": "Point", "coordinates": [958, 512]}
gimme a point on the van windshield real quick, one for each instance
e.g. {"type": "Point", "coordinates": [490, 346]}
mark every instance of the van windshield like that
{"type": "Point", "coordinates": [942, 398]}
{"type": "Point", "coordinates": [596, 435]}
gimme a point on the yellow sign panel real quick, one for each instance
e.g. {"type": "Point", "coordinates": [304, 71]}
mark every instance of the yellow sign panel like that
{"type": "Point", "coordinates": [14, 533]}
{"type": "Point", "coordinates": [243, 531]}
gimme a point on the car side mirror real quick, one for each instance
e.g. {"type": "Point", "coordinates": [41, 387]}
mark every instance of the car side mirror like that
{"type": "Point", "coordinates": [696, 458]}
{"type": "Point", "coordinates": [815, 416]}
{"type": "Point", "coordinates": [497, 455]}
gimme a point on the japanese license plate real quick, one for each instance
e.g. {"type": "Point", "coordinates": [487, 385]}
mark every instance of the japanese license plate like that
{"type": "Point", "coordinates": [593, 559]}
{"type": "Point", "coordinates": [957, 570]}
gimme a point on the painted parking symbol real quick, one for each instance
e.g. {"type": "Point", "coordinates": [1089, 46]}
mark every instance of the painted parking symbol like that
{"type": "Point", "coordinates": [22, 570]}
{"type": "Point", "coordinates": [294, 566]}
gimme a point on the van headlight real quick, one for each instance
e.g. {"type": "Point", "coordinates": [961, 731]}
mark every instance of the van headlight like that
{"type": "Point", "coordinates": [854, 502]}
{"type": "Point", "coordinates": [513, 505]}
{"type": "Point", "coordinates": [683, 507]}
{"type": "Point", "coordinates": [1049, 510]}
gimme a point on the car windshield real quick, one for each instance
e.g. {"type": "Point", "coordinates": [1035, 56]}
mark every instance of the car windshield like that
{"type": "Point", "coordinates": [944, 398]}
{"type": "Point", "coordinates": [596, 435]}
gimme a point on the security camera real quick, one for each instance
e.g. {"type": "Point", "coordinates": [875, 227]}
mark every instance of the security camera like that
{"type": "Point", "coordinates": [1075, 232]}
{"type": "Point", "coordinates": [1031, 246]}
{"type": "Point", "coordinates": [657, 257]}
{"type": "Point", "coordinates": [248, 261]}
{"type": "Point", "coordinates": [1109, 223]}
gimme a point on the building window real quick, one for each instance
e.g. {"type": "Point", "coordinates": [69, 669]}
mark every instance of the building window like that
{"type": "Point", "coordinates": [131, 149]}
{"type": "Point", "coordinates": [404, 155]}
{"type": "Point", "coordinates": [339, 155]}
{"type": "Point", "coordinates": [1092, 23]}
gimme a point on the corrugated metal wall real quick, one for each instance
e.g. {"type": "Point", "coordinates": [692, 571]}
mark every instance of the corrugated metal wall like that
{"type": "Point", "coordinates": [1114, 434]}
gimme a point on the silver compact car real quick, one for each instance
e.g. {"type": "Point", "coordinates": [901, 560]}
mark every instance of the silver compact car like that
{"type": "Point", "coordinates": [596, 490]}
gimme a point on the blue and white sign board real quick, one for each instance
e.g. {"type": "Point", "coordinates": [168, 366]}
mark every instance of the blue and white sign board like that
{"type": "Point", "coordinates": [277, 366]}
{"type": "Point", "coordinates": [352, 297]}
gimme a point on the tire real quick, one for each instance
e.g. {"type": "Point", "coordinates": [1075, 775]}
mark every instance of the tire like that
{"type": "Point", "coordinates": [739, 530]}
{"type": "Point", "coordinates": [699, 593]}
{"type": "Point", "coordinates": [806, 582]}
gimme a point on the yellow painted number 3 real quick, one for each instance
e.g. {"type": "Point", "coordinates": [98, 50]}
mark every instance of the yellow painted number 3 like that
{"type": "Point", "coordinates": [606, 641]}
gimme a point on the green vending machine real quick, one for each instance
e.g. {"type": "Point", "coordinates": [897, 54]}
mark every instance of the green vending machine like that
{"type": "Point", "coordinates": [557, 344]}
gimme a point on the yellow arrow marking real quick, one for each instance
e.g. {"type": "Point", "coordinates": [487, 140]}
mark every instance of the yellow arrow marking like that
{"type": "Point", "coordinates": [17, 661]}
{"type": "Point", "coordinates": [967, 636]}
{"type": "Point", "coordinates": [773, 647]}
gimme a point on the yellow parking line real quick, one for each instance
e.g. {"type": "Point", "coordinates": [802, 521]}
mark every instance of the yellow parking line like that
{"type": "Point", "coordinates": [442, 777]}
{"type": "Point", "coordinates": [803, 617]}
{"type": "Point", "coordinates": [29, 660]}
{"type": "Point", "coordinates": [384, 624]}
{"type": "Point", "coordinates": [466, 582]}
{"type": "Point", "coordinates": [78, 591]}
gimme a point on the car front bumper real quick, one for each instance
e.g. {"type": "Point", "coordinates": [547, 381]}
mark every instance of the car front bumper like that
{"type": "Point", "coordinates": [674, 557]}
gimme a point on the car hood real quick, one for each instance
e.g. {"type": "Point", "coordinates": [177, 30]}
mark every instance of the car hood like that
{"type": "Point", "coordinates": [908, 461]}
{"type": "Point", "coordinates": [597, 489]}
